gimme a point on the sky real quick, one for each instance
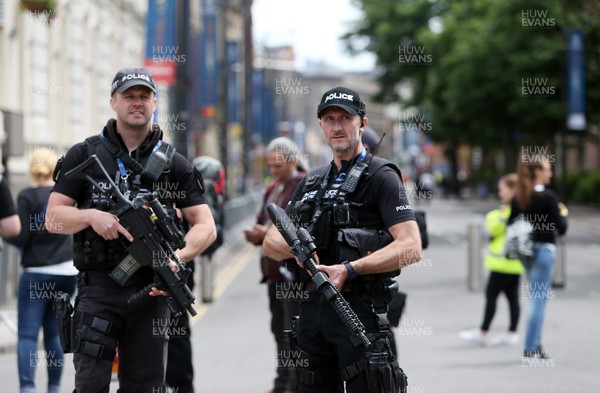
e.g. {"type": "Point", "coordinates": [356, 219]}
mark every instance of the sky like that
{"type": "Point", "coordinates": [312, 27]}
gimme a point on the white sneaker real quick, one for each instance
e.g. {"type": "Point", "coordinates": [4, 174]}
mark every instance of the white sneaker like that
{"type": "Point", "coordinates": [474, 336]}
{"type": "Point", "coordinates": [510, 339]}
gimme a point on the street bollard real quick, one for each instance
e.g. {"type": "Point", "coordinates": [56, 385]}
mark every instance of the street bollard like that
{"type": "Point", "coordinates": [474, 270]}
{"type": "Point", "coordinates": [560, 267]}
{"type": "Point", "coordinates": [206, 276]}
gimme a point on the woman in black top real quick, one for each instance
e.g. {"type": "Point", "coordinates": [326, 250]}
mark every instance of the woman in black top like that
{"type": "Point", "coordinates": [48, 271]}
{"type": "Point", "coordinates": [541, 207]}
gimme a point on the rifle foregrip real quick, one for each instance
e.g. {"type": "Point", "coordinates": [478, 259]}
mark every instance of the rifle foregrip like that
{"type": "Point", "coordinates": [136, 297]}
{"type": "Point", "coordinates": [342, 308]}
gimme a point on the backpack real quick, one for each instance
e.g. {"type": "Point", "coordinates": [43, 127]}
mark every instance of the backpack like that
{"type": "Point", "coordinates": [519, 244]}
{"type": "Point", "coordinates": [213, 174]}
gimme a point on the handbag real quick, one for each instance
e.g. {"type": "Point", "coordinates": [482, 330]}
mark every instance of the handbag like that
{"type": "Point", "coordinates": [519, 243]}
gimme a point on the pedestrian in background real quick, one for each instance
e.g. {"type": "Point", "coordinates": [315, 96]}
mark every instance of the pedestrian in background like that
{"type": "Point", "coordinates": [504, 273]}
{"type": "Point", "coordinates": [9, 220]}
{"type": "Point", "coordinates": [47, 261]}
{"type": "Point", "coordinates": [284, 167]}
{"type": "Point", "coordinates": [541, 207]}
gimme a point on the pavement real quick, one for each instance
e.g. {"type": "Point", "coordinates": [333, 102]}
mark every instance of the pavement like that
{"type": "Point", "coordinates": [234, 349]}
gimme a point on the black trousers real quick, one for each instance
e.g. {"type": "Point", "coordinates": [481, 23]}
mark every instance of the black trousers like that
{"type": "Point", "coordinates": [282, 310]}
{"type": "Point", "coordinates": [498, 283]}
{"type": "Point", "coordinates": [328, 341]}
{"type": "Point", "coordinates": [139, 331]}
{"type": "Point", "coordinates": [180, 369]}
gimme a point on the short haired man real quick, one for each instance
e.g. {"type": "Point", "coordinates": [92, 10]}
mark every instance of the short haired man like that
{"type": "Point", "coordinates": [378, 205]}
{"type": "Point", "coordinates": [79, 208]}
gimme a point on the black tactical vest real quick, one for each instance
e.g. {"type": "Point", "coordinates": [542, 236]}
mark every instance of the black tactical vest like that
{"type": "Point", "coordinates": [90, 250]}
{"type": "Point", "coordinates": [319, 213]}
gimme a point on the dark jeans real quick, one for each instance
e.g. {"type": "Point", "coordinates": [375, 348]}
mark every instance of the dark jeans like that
{"type": "Point", "coordinates": [498, 283]}
{"type": "Point", "coordinates": [36, 294]}
{"type": "Point", "coordinates": [325, 337]}
{"type": "Point", "coordinates": [141, 334]}
{"type": "Point", "coordinates": [282, 311]}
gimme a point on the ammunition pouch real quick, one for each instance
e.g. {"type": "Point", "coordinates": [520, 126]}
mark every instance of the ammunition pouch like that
{"type": "Point", "coordinates": [92, 252]}
{"type": "Point", "coordinates": [355, 243]}
{"type": "Point", "coordinates": [90, 348]}
{"type": "Point", "coordinates": [383, 374]}
{"type": "Point", "coordinates": [70, 324]}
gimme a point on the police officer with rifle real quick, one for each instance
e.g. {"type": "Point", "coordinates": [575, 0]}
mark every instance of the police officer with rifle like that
{"type": "Point", "coordinates": [118, 194]}
{"type": "Point", "coordinates": [355, 213]}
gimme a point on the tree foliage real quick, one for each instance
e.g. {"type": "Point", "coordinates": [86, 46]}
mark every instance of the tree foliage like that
{"type": "Point", "coordinates": [492, 75]}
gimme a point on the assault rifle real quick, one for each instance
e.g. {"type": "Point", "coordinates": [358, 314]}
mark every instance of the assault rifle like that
{"type": "Point", "coordinates": [155, 238]}
{"type": "Point", "coordinates": [303, 248]}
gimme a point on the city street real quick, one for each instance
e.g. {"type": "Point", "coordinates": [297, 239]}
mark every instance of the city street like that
{"type": "Point", "coordinates": [234, 350]}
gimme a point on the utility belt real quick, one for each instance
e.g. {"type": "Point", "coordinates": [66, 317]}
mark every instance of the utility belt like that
{"type": "Point", "coordinates": [101, 278]}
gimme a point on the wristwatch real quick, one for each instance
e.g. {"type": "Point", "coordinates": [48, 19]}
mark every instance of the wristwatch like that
{"type": "Point", "coordinates": [351, 272]}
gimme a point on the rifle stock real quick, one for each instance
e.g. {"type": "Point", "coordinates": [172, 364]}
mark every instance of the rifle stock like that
{"type": "Point", "coordinates": [303, 247]}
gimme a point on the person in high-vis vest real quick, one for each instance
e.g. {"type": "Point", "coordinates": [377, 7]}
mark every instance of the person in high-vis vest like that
{"type": "Point", "coordinates": [504, 273]}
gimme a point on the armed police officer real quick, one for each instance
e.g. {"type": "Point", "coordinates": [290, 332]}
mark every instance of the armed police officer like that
{"type": "Point", "coordinates": [135, 156]}
{"type": "Point", "coordinates": [356, 210]}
